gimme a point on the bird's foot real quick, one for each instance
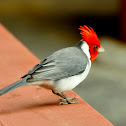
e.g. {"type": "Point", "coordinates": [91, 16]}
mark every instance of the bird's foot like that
{"type": "Point", "coordinates": [68, 101]}
{"type": "Point", "coordinates": [65, 99]}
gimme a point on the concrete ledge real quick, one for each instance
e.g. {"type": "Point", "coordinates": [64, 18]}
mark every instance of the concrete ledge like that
{"type": "Point", "coordinates": [32, 105]}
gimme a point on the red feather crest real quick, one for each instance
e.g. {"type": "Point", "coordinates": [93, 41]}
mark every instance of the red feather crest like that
{"type": "Point", "coordinates": [89, 35]}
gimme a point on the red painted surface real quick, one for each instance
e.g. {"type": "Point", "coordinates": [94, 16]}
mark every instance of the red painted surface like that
{"type": "Point", "coordinates": [31, 105]}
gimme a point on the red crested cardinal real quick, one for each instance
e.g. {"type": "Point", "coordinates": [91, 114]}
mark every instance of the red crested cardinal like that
{"type": "Point", "coordinates": [65, 68]}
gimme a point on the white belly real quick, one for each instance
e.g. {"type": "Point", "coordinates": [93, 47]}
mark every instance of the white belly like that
{"type": "Point", "coordinates": [71, 82]}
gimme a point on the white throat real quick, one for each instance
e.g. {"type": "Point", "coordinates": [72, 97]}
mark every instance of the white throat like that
{"type": "Point", "coordinates": [85, 49]}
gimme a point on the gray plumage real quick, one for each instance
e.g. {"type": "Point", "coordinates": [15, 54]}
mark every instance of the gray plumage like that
{"type": "Point", "coordinates": [64, 63]}
{"type": "Point", "coordinates": [15, 85]}
{"type": "Point", "coordinates": [61, 64]}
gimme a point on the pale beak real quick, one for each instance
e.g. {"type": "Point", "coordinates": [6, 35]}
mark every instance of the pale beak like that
{"type": "Point", "coordinates": [101, 49]}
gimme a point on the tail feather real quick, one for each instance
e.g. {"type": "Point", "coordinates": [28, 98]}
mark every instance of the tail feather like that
{"type": "Point", "coordinates": [13, 86]}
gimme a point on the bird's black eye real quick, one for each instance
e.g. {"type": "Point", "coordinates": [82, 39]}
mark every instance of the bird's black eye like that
{"type": "Point", "coordinates": [95, 47]}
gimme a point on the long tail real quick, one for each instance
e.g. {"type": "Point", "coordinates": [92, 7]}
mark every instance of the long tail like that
{"type": "Point", "coordinates": [13, 86]}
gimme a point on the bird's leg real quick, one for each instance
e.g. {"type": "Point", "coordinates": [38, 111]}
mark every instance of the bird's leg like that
{"type": "Point", "coordinates": [56, 93]}
{"type": "Point", "coordinates": [65, 99]}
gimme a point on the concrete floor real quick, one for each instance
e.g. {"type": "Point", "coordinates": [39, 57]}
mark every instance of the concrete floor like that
{"type": "Point", "coordinates": [105, 87]}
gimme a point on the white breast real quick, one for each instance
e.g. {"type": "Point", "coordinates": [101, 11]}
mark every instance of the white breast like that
{"type": "Point", "coordinates": [71, 82]}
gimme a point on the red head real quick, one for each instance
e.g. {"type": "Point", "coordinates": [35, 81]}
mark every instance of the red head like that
{"type": "Point", "coordinates": [90, 36]}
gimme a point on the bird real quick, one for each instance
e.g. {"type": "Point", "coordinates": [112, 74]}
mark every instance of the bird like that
{"type": "Point", "coordinates": [64, 69]}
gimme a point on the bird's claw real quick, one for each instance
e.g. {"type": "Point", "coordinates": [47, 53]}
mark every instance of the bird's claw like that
{"type": "Point", "coordinates": [67, 101]}
{"type": "Point", "coordinates": [62, 100]}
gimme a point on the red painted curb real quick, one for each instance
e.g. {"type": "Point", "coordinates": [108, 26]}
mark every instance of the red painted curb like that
{"type": "Point", "coordinates": [32, 105]}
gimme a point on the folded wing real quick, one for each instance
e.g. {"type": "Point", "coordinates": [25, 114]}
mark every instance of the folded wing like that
{"type": "Point", "coordinates": [64, 63]}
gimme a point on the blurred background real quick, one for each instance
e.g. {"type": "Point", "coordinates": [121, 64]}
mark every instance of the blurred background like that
{"type": "Point", "coordinates": [46, 26]}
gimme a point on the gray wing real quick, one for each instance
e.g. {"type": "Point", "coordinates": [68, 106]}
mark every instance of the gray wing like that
{"type": "Point", "coordinates": [64, 63]}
